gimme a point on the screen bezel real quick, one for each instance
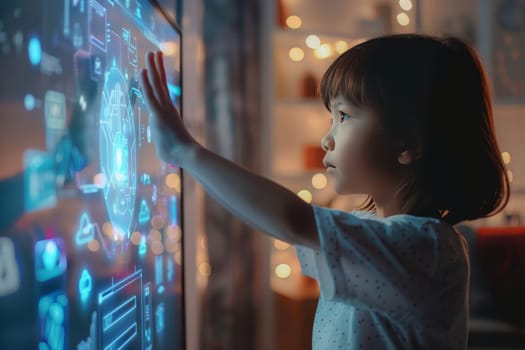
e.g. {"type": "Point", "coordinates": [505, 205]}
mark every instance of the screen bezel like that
{"type": "Point", "coordinates": [178, 30]}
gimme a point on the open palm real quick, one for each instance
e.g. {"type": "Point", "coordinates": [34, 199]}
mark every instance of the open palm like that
{"type": "Point", "coordinates": [171, 137]}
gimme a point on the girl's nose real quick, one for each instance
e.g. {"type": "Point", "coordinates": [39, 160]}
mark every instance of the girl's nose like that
{"type": "Point", "coordinates": [327, 143]}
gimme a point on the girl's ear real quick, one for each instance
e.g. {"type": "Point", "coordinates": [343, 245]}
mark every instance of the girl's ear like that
{"type": "Point", "coordinates": [408, 156]}
{"type": "Point", "coordinates": [405, 157]}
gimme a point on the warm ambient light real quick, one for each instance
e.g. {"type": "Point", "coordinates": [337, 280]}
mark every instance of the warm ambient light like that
{"type": "Point", "coordinates": [99, 180]}
{"type": "Point", "coordinates": [157, 247]}
{"type": "Point", "coordinates": [93, 245]}
{"type": "Point", "coordinates": [283, 271]}
{"type": "Point", "coordinates": [405, 4]}
{"type": "Point", "coordinates": [403, 19]}
{"type": "Point", "coordinates": [173, 181]}
{"type": "Point", "coordinates": [135, 238]}
{"type": "Point", "coordinates": [319, 181]}
{"type": "Point", "coordinates": [341, 46]}
{"type": "Point", "coordinates": [323, 51]}
{"type": "Point", "coordinates": [294, 22]}
{"type": "Point", "coordinates": [506, 157]}
{"type": "Point", "coordinates": [313, 41]}
{"type": "Point", "coordinates": [296, 54]}
{"type": "Point", "coordinates": [305, 195]}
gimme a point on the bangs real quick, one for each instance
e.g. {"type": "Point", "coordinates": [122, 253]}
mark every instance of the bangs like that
{"type": "Point", "coordinates": [346, 77]}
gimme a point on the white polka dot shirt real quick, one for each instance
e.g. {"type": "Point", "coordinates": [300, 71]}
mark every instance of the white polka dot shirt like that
{"type": "Point", "coordinates": [388, 283]}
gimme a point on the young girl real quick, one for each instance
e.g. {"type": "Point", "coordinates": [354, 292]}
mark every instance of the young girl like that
{"type": "Point", "coordinates": [412, 127]}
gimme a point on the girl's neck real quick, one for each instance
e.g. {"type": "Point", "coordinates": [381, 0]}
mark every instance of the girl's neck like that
{"type": "Point", "coordinates": [387, 204]}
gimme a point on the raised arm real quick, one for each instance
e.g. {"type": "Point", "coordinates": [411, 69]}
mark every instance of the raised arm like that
{"type": "Point", "coordinates": [259, 202]}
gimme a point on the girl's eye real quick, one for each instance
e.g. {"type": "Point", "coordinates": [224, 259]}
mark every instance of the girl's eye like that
{"type": "Point", "coordinates": [343, 116]}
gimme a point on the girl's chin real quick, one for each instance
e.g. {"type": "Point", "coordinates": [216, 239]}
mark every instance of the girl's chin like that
{"type": "Point", "coordinates": [341, 189]}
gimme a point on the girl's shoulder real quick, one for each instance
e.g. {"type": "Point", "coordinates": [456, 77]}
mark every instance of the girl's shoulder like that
{"type": "Point", "coordinates": [404, 222]}
{"type": "Point", "coordinates": [399, 218]}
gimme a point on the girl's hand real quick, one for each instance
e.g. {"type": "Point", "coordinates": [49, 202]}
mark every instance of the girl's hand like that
{"type": "Point", "coordinates": [172, 139]}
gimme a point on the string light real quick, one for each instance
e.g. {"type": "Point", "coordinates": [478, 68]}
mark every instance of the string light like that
{"type": "Point", "coordinates": [323, 51]}
{"type": "Point", "coordinates": [173, 181]}
{"type": "Point", "coordinates": [296, 54]}
{"type": "Point", "coordinates": [341, 46]}
{"type": "Point", "coordinates": [506, 157]}
{"type": "Point", "coordinates": [403, 19]}
{"type": "Point", "coordinates": [319, 181]}
{"type": "Point", "coordinates": [294, 22]}
{"type": "Point", "coordinates": [305, 195]}
{"type": "Point", "coordinates": [157, 247]}
{"type": "Point", "coordinates": [135, 238]}
{"type": "Point", "coordinates": [283, 271]}
{"type": "Point", "coordinates": [155, 235]}
{"type": "Point", "coordinates": [405, 4]}
{"type": "Point", "coordinates": [93, 245]}
{"type": "Point", "coordinates": [313, 41]}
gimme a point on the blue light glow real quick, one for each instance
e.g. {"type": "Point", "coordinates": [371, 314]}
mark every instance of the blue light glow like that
{"type": "Point", "coordinates": [50, 259]}
{"type": "Point", "coordinates": [121, 315]}
{"type": "Point", "coordinates": [85, 285]}
{"type": "Point", "coordinates": [145, 213]}
{"type": "Point", "coordinates": [173, 210]}
{"type": "Point", "coordinates": [29, 102]}
{"type": "Point", "coordinates": [174, 91]}
{"type": "Point", "coordinates": [143, 246]}
{"type": "Point", "coordinates": [159, 317]}
{"type": "Point", "coordinates": [52, 310]}
{"type": "Point", "coordinates": [118, 150]}
{"type": "Point", "coordinates": [86, 230]}
{"type": "Point", "coordinates": [35, 51]}
{"type": "Point", "coordinates": [148, 310]}
{"type": "Point", "coordinates": [40, 180]}
{"type": "Point", "coordinates": [159, 276]}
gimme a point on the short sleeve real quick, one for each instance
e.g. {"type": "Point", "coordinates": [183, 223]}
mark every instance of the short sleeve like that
{"type": "Point", "coordinates": [386, 265]}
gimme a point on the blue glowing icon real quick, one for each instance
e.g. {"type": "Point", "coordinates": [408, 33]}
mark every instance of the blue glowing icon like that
{"type": "Point", "coordinates": [148, 133]}
{"type": "Point", "coordinates": [52, 314]}
{"type": "Point", "coordinates": [159, 277]}
{"type": "Point", "coordinates": [40, 182]}
{"type": "Point", "coordinates": [86, 230]}
{"type": "Point", "coordinates": [145, 179]}
{"type": "Point", "coordinates": [145, 213]}
{"type": "Point", "coordinates": [85, 284]}
{"type": "Point", "coordinates": [55, 116]}
{"type": "Point", "coordinates": [121, 156]}
{"type": "Point", "coordinates": [35, 51]}
{"type": "Point", "coordinates": [29, 102]}
{"type": "Point", "coordinates": [173, 210]}
{"type": "Point", "coordinates": [142, 246]}
{"type": "Point", "coordinates": [174, 91]}
{"type": "Point", "coordinates": [159, 318]}
{"type": "Point", "coordinates": [9, 273]}
{"type": "Point", "coordinates": [154, 195]}
{"type": "Point", "coordinates": [50, 259]}
{"type": "Point", "coordinates": [170, 271]}
{"type": "Point", "coordinates": [118, 150]}
{"type": "Point", "coordinates": [148, 336]}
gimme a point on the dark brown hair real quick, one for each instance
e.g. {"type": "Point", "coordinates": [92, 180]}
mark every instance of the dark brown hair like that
{"type": "Point", "coordinates": [433, 98]}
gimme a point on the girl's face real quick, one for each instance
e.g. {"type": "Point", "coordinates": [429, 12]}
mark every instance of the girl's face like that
{"type": "Point", "coordinates": [356, 152]}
